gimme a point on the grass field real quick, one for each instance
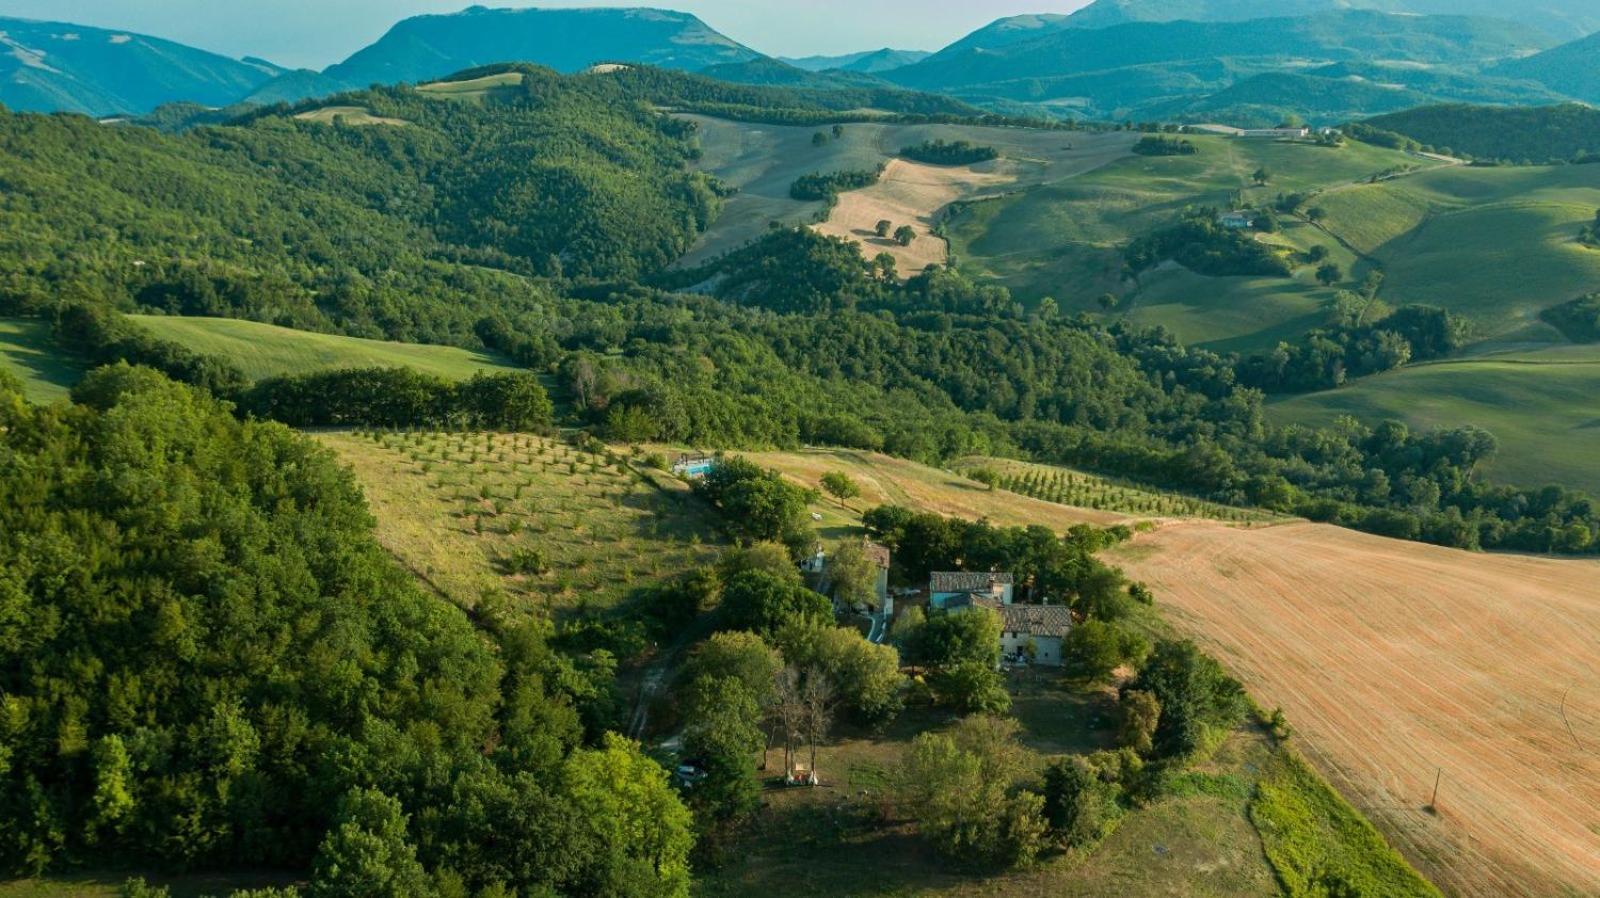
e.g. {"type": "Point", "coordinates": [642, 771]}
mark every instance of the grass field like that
{"type": "Point", "coordinates": [262, 350]}
{"type": "Point", "coordinates": [909, 193]}
{"type": "Point", "coordinates": [109, 884]}
{"type": "Point", "coordinates": [1496, 244]}
{"type": "Point", "coordinates": [27, 351]}
{"type": "Point", "coordinates": [473, 90]}
{"type": "Point", "coordinates": [551, 526]}
{"type": "Point", "coordinates": [348, 115]}
{"type": "Point", "coordinates": [1543, 406]}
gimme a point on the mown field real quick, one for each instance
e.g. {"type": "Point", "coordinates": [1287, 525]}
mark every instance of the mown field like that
{"type": "Point", "coordinates": [28, 352]}
{"type": "Point", "coordinates": [1543, 406]}
{"type": "Point", "coordinates": [263, 350]}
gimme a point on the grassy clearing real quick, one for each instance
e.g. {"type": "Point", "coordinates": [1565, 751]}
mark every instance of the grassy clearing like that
{"type": "Point", "coordinates": [28, 351]}
{"type": "Point", "coordinates": [1541, 405]}
{"type": "Point", "coordinates": [263, 350]}
{"type": "Point", "coordinates": [355, 116]}
{"type": "Point", "coordinates": [108, 884]}
{"type": "Point", "coordinates": [474, 90]}
{"type": "Point", "coordinates": [554, 527]}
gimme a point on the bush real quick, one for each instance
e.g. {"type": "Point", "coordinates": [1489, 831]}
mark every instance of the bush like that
{"type": "Point", "coordinates": [1165, 146]}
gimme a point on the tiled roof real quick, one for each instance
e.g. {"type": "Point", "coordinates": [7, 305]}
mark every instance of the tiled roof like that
{"type": "Point", "coordinates": [879, 555]}
{"type": "Point", "coordinates": [1037, 620]}
{"type": "Point", "coordinates": [966, 581]}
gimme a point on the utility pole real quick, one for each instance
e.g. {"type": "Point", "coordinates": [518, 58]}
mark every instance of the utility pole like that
{"type": "Point", "coordinates": [1434, 804]}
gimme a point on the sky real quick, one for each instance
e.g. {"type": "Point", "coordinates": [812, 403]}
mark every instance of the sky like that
{"type": "Point", "coordinates": [318, 33]}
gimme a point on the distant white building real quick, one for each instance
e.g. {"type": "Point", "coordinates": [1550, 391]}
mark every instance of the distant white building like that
{"type": "Point", "coordinates": [946, 587]}
{"type": "Point", "coordinates": [1275, 133]}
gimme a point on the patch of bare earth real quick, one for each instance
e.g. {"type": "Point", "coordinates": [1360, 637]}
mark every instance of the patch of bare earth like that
{"type": "Point", "coordinates": [1398, 663]}
{"type": "Point", "coordinates": [915, 194]}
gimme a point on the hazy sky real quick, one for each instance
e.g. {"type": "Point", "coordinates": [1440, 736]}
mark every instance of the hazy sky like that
{"type": "Point", "coordinates": [317, 33]}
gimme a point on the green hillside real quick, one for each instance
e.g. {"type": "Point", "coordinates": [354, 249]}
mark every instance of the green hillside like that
{"type": "Point", "coordinates": [1063, 239]}
{"type": "Point", "coordinates": [1541, 406]}
{"type": "Point", "coordinates": [1540, 134]}
{"type": "Point", "coordinates": [1495, 244]}
{"type": "Point", "coordinates": [1560, 18]}
{"type": "Point", "coordinates": [263, 350]}
{"type": "Point", "coordinates": [1572, 69]}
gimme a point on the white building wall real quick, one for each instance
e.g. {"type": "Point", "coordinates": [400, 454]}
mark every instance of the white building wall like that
{"type": "Point", "coordinates": [1047, 648]}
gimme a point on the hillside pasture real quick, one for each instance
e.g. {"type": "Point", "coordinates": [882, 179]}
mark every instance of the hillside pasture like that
{"type": "Point", "coordinates": [264, 350]}
{"type": "Point", "coordinates": [355, 116]}
{"type": "Point", "coordinates": [473, 90]}
{"type": "Point", "coordinates": [1543, 406]}
{"type": "Point", "coordinates": [763, 161]}
{"type": "Point", "coordinates": [1398, 663]}
{"type": "Point", "coordinates": [1498, 245]}
{"type": "Point", "coordinates": [554, 527]}
{"type": "Point", "coordinates": [28, 352]}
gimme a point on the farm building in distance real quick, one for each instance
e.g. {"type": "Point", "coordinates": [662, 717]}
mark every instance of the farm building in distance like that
{"type": "Point", "coordinates": [1275, 133]}
{"type": "Point", "coordinates": [946, 587]}
{"type": "Point", "coordinates": [1043, 627]}
{"type": "Point", "coordinates": [1237, 221]}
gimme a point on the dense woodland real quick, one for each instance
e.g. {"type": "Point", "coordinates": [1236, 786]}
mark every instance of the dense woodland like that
{"type": "Point", "coordinates": [1516, 135]}
{"type": "Point", "coordinates": [956, 152]}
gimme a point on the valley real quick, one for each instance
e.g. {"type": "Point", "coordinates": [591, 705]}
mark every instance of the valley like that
{"type": "Point", "coordinates": [557, 453]}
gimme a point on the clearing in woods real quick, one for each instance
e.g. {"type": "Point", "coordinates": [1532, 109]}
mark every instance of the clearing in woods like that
{"type": "Point", "coordinates": [1391, 659]}
{"type": "Point", "coordinates": [909, 193]}
{"type": "Point", "coordinates": [28, 351]}
{"type": "Point", "coordinates": [265, 350]}
{"type": "Point", "coordinates": [347, 115]}
{"type": "Point", "coordinates": [1397, 660]}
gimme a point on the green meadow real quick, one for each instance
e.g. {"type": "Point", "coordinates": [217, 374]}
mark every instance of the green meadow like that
{"type": "Point", "coordinates": [1543, 406]}
{"type": "Point", "coordinates": [263, 350]}
{"type": "Point", "coordinates": [28, 352]}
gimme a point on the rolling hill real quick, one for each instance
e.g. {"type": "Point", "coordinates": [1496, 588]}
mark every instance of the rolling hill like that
{"type": "Point", "coordinates": [55, 66]}
{"type": "Point", "coordinates": [1177, 59]}
{"type": "Point", "coordinates": [424, 48]}
{"type": "Point", "coordinates": [1572, 69]}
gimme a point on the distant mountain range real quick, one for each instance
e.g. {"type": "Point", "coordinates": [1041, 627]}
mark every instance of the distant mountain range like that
{"type": "Point", "coordinates": [54, 66]}
{"type": "Point", "coordinates": [1239, 61]}
{"type": "Point", "coordinates": [1561, 19]}
{"type": "Point", "coordinates": [869, 63]}
{"type": "Point", "coordinates": [1164, 68]}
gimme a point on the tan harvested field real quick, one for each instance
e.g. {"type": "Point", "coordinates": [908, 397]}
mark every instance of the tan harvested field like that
{"type": "Point", "coordinates": [347, 115]}
{"type": "Point", "coordinates": [912, 193]}
{"type": "Point", "coordinates": [763, 161]}
{"type": "Point", "coordinates": [1395, 660]}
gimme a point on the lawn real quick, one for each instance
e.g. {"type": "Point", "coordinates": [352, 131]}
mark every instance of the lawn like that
{"type": "Point", "coordinates": [263, 350]}
{"type": "Point", "coordinates": [554, 527]}
{"type": "Point", "coordinates": [1543, 406]}
{"type": "Point", "coordinates": [28, 352]}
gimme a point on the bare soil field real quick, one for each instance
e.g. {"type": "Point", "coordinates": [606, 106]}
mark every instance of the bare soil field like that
{"type": "Point", "coordinates": [911, 193]}
{"type": "Point", "coordinates": [1398, 663]}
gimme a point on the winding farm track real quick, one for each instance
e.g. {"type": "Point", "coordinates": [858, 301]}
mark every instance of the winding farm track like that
{"type": "Point", "coordinates": [1396, 662]}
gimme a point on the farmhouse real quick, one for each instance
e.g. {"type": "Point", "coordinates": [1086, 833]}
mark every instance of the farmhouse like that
{"type": "Point", "coordinates": [946, 587]}
{"type": "Point", "coordinates": [1039, 627]}
{"type": "Point", "coordinates": [1237, 221]}
{"type": "Point", "coordinates": [1028, 633]}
